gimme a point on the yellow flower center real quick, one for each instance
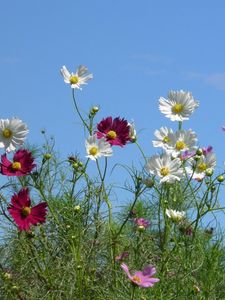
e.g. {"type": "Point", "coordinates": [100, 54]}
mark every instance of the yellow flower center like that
{"type": "Point", "coordinates": [180, 145]}
{"type": "Point", "coordinates": [7, 133]}
{"type": "Point", "coordinates": [93, 151]}
{"type": "Point", "coordinates": [136, 278]}
{"type": "Point", "coordinates": [166, 139]}
{"type": "Point", "coordinates": [111, 134]}
{"type": "Point", "coordinates": [16, 165]}
{"type": "Point", "coordinates": [74, 79]}
{"type": "Point", "coordinates": [164, 171]}
{"type": "Point", "coordinates": [202, 167]}
{"type": "Point", "coordinates": [177, 108]}
{"type": "Point", "coordinates": [26, 211]}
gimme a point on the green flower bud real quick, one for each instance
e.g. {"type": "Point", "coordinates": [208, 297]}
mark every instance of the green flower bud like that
{"type": "Point", "coordinates": [75, 165]}
{"type": "Point", "coordinates": [94, 110]}
{"type": "Point", "coordinates": [7, 276]}
{"type": "Point", "coordinates": [77, 208]}
{"type": "Point", "coordinates": [148, 182]}
{"type": "Point", "coordinates": [220, 178]}
{"type": "Point", "coordinates": [47, 156]}
{"type": "Point", "coordinates": [199, 151]}
{"type": "Point", "coordinates": [141, 228]}
{"type": "Point", "coordinates": [209, 172]}
{"type": "Point", "coordinates": [213, 188]}
{"type": "Point", "coordinates": [197, 157]}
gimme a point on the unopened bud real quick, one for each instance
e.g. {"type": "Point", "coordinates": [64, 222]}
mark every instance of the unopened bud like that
{"type": "Point", "coordinates": [75, 165]}
{"type": "Point", "coordinates": [7, 276]}
{"type": "Point", "coordinates": [141, 228]}
{"type": "Point", "coordinates": [77, 208]}
{"type": "Point", "coordinates": [94, 110]}
{"type": "Point", "coordinates": [220, 178]}
{"type": "Point", "coordinates": [47, 156]}
{"type": "Point", "coordinates": [148, 182]}
{"type": "Point", "coordinates": [209, 172]}
{"type": "Point", "coordinates": [197, 157]}
{"type": "Point", "coordinates": [199, 151]}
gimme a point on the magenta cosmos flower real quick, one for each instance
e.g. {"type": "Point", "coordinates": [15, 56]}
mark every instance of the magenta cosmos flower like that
{"type": "Point", "coordinates": [22, 164]}
{"type": "Point", "coordinates": [122, 256]}
{"type": "Point", "coordinates": [142, 278]}
{"type": "Point", "coordinates": [141, 222]}
{"type": "Point", "coordinates": [116, 131]}
{"type": "Point", "coordinates": [23, 214]}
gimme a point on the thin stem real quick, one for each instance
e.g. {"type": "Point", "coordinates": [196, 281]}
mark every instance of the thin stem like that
{"type": "Point", "coordinates": [78, 112]}
{"type": "Point", "coordinates": [142, 152]}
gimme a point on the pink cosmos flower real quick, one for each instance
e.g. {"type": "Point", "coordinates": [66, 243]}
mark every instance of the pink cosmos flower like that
{"type": "Point", "coordinates": [141, 222]}
{"type": "Point", "coordinates": [223, 128]}
{"type": "Point", "coordinates": [141, 278]}
{"type": "Point", "coordinates": [22, 164]}
{"type": "Point", "coordinates": [187, 154]}
{"type": "Point", "coordinates": [23, 214]}
{"type": "Point", "coordinates": [207, 150]}
{"type": "Point", "coordinates": [116, 131]}
{"type": "Point", "coordinates": [122, 256]}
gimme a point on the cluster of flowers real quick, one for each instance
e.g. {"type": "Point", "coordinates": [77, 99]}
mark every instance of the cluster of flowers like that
{"type": "Point", "coordinates": [109, 132]}
{"type": "Point", "coordinates": [12, 135]}
{"type": "Point", "coordinates": [181, 156]}
{"type": "Point", "coordinates": [112, 132]}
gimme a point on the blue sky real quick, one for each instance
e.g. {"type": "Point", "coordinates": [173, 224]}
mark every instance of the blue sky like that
{"type": "Point", "coordinates": [137, 52]}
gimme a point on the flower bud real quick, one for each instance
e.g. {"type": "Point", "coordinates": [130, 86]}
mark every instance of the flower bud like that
{"type": "Point", "coordinates": [77, 208]}
{"type": "Point", "coordinates": [199, 151]}
{"type": "Point", "coordinates": [197, 157]}
{"type": "Point", "coordinates": [7, 276]}
{"type": "Point", "coordinates": [94, 110]}
{"type": "Point", "coordinates": [47, 156]}
{"type": "Point", "coordinates": [220, 178]}
{"type": "Point", "coordinates": [75, 165]}
{"type": "Point", "coordinates": [213, 188]}
{"type": "Point", "coordinates": [209, 172]}
{"type": "Point", "coordinates": [141, 228]}
{"type": "Point", "coordinates": [148, 182]}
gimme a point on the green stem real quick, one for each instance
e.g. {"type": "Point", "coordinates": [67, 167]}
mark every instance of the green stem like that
{"type": "Point", "coordinates": [78, 112]}
{"type": "Point", "coordinates": [142, 152]}
{"type": "Point", "coordinates": [179, 125]}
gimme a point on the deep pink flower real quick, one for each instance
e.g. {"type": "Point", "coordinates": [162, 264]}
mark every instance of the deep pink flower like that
{"type": "Point", "coordinates": [141, 222]}
{"type": "Point", "coordinates": [22, 164]}
{"type": "Point", "coordinates": [116, 131]}
{"type": "Point", "coordinates": [122, 256]}
{"type": "Point", "coordinates": [187, 154]}
{"type": "Point", "coordinates": [23, 214]}
{"type": "Point", "coordinates": [142, 278]}
{"type": "Point", "coordinates": [223, 128]}
{"type": "Point", "coordinates": [207, 150]}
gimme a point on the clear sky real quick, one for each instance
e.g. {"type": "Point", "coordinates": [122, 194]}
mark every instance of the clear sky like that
{"type": "Point", "coordinates": [136, 50]}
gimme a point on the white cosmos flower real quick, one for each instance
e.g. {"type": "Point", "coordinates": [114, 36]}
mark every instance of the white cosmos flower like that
{"type": "Point", "coordinates": [182, 140]}
{"type": "Point", "coordinates": [175, 215]}
{"type": "Point", "coordinates": [97, 147]}
{"type": "Point", "coordinates": [179, 106]}
{"type": "Point", "coordinates": [132, 132]}
{"type": "Point", "coordinates": [76, 79]}
{"type": "Point", "coordinates": [162, 136]}
{"type": "Point", "coordinates": [205, 163]}
{"type": "Point", "coordinates": [12, 133]}
{"type": "Point", "coordinates": [168, 169]}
